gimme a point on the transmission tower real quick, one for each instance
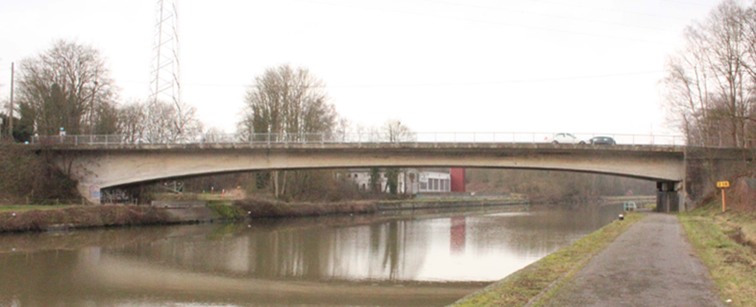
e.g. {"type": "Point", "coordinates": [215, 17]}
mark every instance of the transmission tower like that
{"type": "Point", "coordinates": [166, 83]}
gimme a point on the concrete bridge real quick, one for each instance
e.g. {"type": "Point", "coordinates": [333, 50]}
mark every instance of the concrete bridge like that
{"type": "Point", "coordinates": [683, 174]}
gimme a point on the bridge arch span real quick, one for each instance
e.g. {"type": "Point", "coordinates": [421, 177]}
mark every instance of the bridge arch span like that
{"type": "Point", "coordinates": [98, 167]}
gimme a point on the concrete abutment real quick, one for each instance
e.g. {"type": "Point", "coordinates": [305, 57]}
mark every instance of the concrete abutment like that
{"type": "Point", "coordinates": [669, 196]}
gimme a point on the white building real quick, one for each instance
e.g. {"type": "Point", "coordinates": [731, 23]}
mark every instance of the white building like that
{"type": "Point", "coordinates": [418, 180]}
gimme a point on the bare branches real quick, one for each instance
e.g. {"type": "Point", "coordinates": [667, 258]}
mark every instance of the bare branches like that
{"type": "Point", "coordinates": [394, 131]}
{"type": "Point", "coordinates": [159, 122]}
{"type": "Point", "coordinates": [67, 86]}
{"type": "Point", "coordinates": [709, 88]}
{"type": "Point", "coordinates": [286, 100]}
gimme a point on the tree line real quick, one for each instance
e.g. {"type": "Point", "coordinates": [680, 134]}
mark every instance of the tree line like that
{"type": "Point", "coordinates": [69, 86]}
{"type": "Point", "coordinates": [710, 84]}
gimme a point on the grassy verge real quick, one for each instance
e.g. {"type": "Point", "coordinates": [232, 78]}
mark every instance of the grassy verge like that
{"type": "Point", "coordinates": [32, 207]}
{"type": "Point", "coordinates": [721, 242]}
{"type": "Point", "coordinates": [520, 287]}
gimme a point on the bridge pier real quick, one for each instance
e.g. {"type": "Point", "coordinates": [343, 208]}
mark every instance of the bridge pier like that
{"type": "Point", "coordinates": [668, 196]}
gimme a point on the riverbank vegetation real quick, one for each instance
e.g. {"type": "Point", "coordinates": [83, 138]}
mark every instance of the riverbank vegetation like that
{"type": "Point", "coordinates": [726, 244]}
{"type": "Point", "coordinates": [80, 217]}
{"type": "Point", "coordinates": [539, 280]}
{"type": "Point", "coordinates": [30, 177]}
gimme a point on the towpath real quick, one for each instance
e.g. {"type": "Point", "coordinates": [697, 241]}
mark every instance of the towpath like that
{"type": "Point", "coordinates": [651, 264]}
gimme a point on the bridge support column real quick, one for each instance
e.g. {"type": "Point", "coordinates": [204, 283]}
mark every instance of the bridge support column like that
{"type": "Point", "coordinates": [668, 197]}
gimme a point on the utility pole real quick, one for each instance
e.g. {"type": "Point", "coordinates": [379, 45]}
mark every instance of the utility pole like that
{"type": "Point", "coordinates": [10, 118]}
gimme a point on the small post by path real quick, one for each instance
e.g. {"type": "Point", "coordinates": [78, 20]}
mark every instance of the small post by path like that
{"type": "Point", "coordinates": [723, 185]}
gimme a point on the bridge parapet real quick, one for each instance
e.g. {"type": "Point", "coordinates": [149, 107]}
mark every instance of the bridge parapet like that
{"type": "Point", "coordinates": [359, 138]}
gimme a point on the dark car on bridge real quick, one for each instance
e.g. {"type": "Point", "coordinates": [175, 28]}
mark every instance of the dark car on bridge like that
{"type": "Point", "coordinates": [602, 140]}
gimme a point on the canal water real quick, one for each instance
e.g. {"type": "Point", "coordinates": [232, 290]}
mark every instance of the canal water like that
{"type": "Point", "coordinates": [389, 259]}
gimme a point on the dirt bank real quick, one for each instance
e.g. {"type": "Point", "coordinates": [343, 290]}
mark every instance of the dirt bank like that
{"type": "Point", "coordinates": [99, 216]}
{"type": "Point", "coordinates": [46, 219]}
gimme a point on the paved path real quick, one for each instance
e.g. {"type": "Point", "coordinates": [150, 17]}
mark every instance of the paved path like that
{"type": "Point", "coordinates": [651, 264]}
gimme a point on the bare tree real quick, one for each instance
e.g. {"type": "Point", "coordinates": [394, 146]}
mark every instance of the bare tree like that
{"type": "Point", "coordinates": [286, 100]}
{"type": "Point", "coordinates": [709, 87]}
{"type": "Point", "coordinates": [132, 122]}
{"type": "Point", "coordinates": [168, 124]}
{"type": "Point", "coordinates": [288, 103]}
{"type": "Point", "coordinates": [158, 122]}
{"type": "Point", "coordinates": [67, 86]}
{"type": "Point", "coordinates": [393, 131]}
{"type": "Point", "coordinates": [214, 135]}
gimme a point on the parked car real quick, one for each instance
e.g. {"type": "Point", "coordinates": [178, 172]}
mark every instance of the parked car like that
{"type": "Point", "coordinates": [602, 140]}
{"type": "Point", "coordinates": [566, 138]}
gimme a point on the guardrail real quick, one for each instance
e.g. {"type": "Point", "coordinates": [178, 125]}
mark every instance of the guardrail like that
{"type": "Point", "coordinates": [336, 138]}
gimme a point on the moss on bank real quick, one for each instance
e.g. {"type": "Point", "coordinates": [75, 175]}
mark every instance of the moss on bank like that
{"type": "Point", "coordinates": [724, 243]}
{"type": "Point", "coordinates": [545, 275]}
{"type": "Point", "coordinates": [225, 210]}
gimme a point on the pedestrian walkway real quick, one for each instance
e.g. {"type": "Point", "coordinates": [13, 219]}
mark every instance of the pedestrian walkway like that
{"type": "Point", "coordinates": [651, 264]}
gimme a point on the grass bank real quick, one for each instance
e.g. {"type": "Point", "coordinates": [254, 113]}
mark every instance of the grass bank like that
{"type": "Point", "coordinates": [20, 208]}
{"type": "Point", "coordinates": [726, 244]}
{"type": "Point", "coordinates": [541, 279]}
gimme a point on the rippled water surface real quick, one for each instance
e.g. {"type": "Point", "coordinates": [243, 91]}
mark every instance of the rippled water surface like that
{"type": "Point", "coordinates": [423, 259]}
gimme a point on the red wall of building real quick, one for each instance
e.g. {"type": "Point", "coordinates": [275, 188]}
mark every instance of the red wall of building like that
{"type": "Point", "coordinates": [457, 179]}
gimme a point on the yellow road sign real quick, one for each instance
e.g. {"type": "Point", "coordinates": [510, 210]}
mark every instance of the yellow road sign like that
{"type": "Point", "coordinates": [723, 184]}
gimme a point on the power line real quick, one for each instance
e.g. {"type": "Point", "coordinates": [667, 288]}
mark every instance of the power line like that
{"type": "Point", "coordinates": [546, 15]}
{"type": "Point", "coordinates": [610, 10]}
{"type": "Point", "coordinates": [689, 3]}
{"type": "Point", "coordinates": [488, 22]}
{"type": "Point", "coordinates": [443, 83]}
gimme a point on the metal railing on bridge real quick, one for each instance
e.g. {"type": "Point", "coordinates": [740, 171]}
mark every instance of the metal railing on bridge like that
{"type": "Point", "coordinates": [351, 138]}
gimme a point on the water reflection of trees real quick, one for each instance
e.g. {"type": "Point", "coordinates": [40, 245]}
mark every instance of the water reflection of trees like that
{"type": "Point", "coordinates": [393, 250]}
{"type": "Point", "coordinates": [534, 234]}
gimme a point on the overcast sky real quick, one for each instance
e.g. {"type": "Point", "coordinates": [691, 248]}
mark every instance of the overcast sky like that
{"type": "Point", "coordinates": [437, 66]}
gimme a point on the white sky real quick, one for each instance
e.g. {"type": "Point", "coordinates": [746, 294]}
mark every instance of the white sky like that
{"type": "Point", "coordinates": [436, 65]}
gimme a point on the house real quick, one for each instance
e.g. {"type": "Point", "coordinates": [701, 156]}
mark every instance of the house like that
{"type": "Point", "coordinates": [427, 180]}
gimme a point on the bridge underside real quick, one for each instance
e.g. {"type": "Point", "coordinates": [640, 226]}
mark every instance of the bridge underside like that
{"type": "Point", "coordinates": [97, 168]}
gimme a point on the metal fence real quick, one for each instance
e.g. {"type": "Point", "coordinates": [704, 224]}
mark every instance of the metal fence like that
{"type": "Point", "coordinates": [351, 138]}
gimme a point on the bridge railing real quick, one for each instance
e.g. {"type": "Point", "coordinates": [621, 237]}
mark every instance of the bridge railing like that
{"type": "Point", "coordinates": [370, 137]}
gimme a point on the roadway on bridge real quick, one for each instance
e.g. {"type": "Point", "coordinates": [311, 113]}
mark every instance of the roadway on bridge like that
{"type": "Point", "coordinates": [651, 264]}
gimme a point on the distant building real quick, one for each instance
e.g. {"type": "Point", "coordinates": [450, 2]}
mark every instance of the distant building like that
{"type": "Point", "coordinates": [458, 180]}
{"type": "Point", "coordinates": [417, 180]}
